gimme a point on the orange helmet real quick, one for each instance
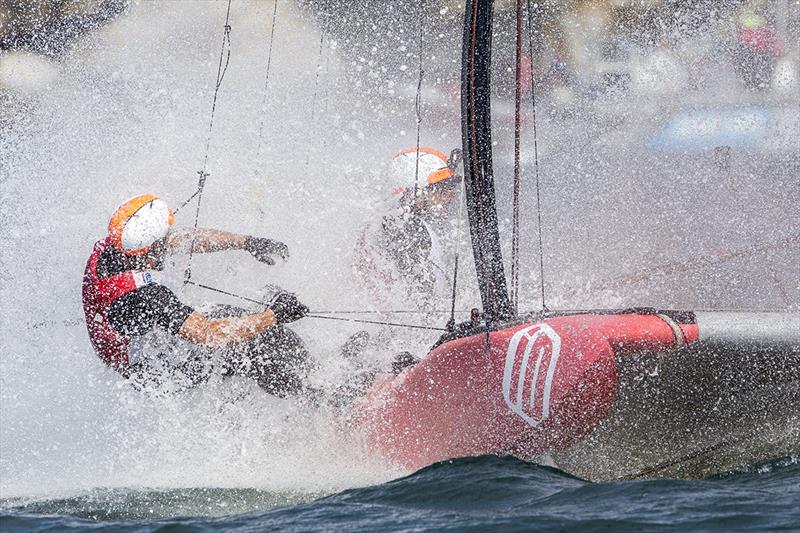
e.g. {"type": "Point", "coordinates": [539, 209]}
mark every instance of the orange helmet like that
{"type": "Point", "coordinates": [138, 223]}
{"type": "Point", "coordinates": [433, 168]}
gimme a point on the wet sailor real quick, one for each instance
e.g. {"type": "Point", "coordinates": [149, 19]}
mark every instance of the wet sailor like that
{"type": "Point", "coordinates": [408, 254]}
{"type": "Point", "coordinates": [125, 302]}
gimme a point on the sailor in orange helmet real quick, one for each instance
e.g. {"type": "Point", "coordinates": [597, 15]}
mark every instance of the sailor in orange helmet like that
{"type": "Point", "coordinates": [124, 301]}
{"type": "Point", "coordinates": [408, 254]}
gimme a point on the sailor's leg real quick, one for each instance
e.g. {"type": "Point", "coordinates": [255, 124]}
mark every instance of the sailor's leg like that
{"type": "Point", "coordinates": [277, 359]}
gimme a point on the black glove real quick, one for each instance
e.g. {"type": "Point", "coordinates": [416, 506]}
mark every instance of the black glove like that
{"type": "Point", "coordinates": [287, 308]}
{"type": "Point", "coordinates": [262, 249]}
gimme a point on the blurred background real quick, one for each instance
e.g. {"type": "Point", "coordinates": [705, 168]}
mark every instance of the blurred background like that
{"type": "Point", "coordinates": [668, 138]}
{"type": "Point", "coordinates": [665, 107]}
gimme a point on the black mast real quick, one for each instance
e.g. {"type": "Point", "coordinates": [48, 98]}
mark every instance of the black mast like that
{"type": "Point", "coordinates": [476, 134]}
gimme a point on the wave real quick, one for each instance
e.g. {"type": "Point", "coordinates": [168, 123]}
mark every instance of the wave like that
{"type": "Point", "coordinates": [486, 492]}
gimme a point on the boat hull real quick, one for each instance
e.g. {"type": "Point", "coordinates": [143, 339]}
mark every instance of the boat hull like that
{"type": "Point", "coordinates": [603, 395]}
{"type": "Point", "coordinates": [693, 413]}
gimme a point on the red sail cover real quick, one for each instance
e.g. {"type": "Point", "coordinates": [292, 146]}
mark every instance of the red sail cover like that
{"type": "Point", "coordinates": [523, 390]}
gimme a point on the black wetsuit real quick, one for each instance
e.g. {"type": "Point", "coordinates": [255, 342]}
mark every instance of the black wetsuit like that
{"type": "Point", "coordinates": [408, 244]}
{"type": "Point", "coordinates": [141, 310]}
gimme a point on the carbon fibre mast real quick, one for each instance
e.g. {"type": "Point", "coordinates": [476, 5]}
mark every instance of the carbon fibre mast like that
{"type": "Point", "coordinates": [476, 133]}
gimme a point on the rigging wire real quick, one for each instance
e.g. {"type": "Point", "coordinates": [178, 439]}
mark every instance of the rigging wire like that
{"type": "Point", "coordinates": [517, 127]}
{"type": "Point", "coordinates": [390, 312]}
{"type": "Point", "coordinates": [227, 293]}
{"type": "Point", "coordinates": [536, 157]}
{"type": "Point", "coordinates": [418, 98]}
{"type": "Point", "coordinates": [453, 162]}
{"type": "Point", "coordinates": [379, 322]}
{"type": "Point", "coordinates": [322, 315]}
{"type": "Point", "coordinates": [221, 70]}
{"type": "Point", "coordinates": [266, 78]}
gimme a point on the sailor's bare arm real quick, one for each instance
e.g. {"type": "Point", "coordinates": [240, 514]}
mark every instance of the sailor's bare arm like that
{"type": "Point", "coordinates": [205, 240]}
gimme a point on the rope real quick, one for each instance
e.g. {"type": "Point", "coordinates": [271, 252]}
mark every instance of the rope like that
{"type": "Point", "coordinates": [390, 312]}
{"type": "Point", "coordinates": [379, 322]}
{"type": "Point", "coordinates": [220, 291]}
{"type": "Point", "coordinates": [453, 163]}
{"type": "Point", "coordinates": [266, 77]}
{"type": "Point", "coordinates": [536, 157]}
{"type": "Point", "coordinates": [517, 127]}
{"type": "Point", "coordinates": [320, 315]}
{"type": "Point", "coordinates": [418, 99]}
{"type": "Point", "coordinates": [221, 70]}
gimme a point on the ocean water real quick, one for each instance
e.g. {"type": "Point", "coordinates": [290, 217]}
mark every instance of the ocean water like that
{"type": "Point", "coordinates": [470, 494]}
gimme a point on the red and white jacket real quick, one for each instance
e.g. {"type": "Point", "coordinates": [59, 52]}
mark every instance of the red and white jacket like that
{"type": "Point", "coordinates": [98, 294]}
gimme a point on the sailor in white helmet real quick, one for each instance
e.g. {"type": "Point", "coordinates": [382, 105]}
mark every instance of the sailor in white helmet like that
{"type": "Point", "coordinates": [408, 254]}
{"type": "Point", "coordinates": [128, 306]}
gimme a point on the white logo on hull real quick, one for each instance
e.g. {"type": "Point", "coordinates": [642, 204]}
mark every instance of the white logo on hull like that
{"type": "Point", "coordinates": [514, 393]}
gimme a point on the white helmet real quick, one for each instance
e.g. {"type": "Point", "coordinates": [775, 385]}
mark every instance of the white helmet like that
{"type": "Point", "coordinates": [433, 168]}
{"type": "Point", "coordinates": [138, 223]}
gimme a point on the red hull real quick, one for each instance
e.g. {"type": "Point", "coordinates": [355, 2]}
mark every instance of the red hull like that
{"type": "Point", "coordinates": [466, 396]}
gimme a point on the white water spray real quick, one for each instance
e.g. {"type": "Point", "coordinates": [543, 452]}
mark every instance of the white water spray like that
{"type": "Point", "coordinates": [128, 114]}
